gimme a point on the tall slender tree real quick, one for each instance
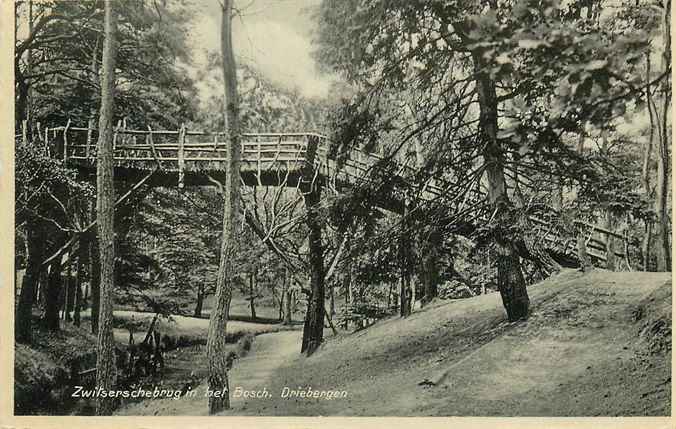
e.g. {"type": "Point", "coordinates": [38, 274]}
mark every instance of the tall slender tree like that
{"type": "Point", "coordinates": [105, 210]}
{"type": "Point", "coordinates": [216, 355]}
{"type": "Point", "coordinates": [663, 143]}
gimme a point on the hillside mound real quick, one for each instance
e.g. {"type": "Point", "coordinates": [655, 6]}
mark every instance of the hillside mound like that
{"type": "Point", "coordinates": [42, 369]}
{"type": "Point", "coordinates": [595, 344]}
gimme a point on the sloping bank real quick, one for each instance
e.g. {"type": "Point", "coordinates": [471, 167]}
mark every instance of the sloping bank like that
{"type": "Point", "coordinates": [43, 370]}
{"type": "Point", "coordinates": [595, 344]}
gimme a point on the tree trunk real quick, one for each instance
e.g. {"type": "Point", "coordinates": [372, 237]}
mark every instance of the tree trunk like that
{"type": "Point", "coordinates": [94, 70]}
{"type": "Point", "coordinates": [35, 255]}
{"type": "Point", "coordinates": [583, 256]}
{"type": "Point", "coordinates": [430, 269]}
{"type": "Point", "coordinates": [662, 186]}
{"type": "Point", "coordinates": [313, 331]}
{"type": "Point", "coordinates": [282, 298]}
{"type": "Point", "coordinates": [86, 268]}
{"type": "Point", "coordinates": [403, 305]}
{"type": "Point", "coordinates": [645, 170]}
{"type": "Point", "coordinates": [63, 299]}
{"type": "Point", "coordinates": [105, 210]}
{"type": "Point", "coordinates": [42, 287]}
{"type": "Point", "coordinates": [347, 290]}
{"type": "Point", "coordinates": [514, 298]}
{"type": "Point", "coordinates": [200, 301]}
{"type": "Point", "coordinates": [52, 293]}
{"type": "Point", "coordinates": [21, 104]}
{"type": "Point", "coordinates": [252, 280]}
{"type": "Point", "coordinates": [216, 347]}
{"type": "Point", "coordinates": [81, 264]}
{"type": "Point", "coordinates": [95, 282]}
{"type": "Point", "coordinates": [332, 301]}
{"type": "Point", "coordinates": [288, 314]}
{"type": "Point", "coordinates": [389, 295]}
{"type": "Point", "coordinates": [404, 261]}
{"type": "Point", "coordinates": [511, 283]}
{"type": "Point", "coordinates": [28, 114]}
{"type": "Point", "coordinates": [611, 261]}
{"type": "Point", "coordinates": [645, 245]}
{"type": "Point", "coordinates": [69, 302]}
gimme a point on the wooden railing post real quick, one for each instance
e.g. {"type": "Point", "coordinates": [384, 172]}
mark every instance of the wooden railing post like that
{"type": "Point", "coordinates": [258, 159]}
{"type": "Point", "coordinates": [181, 158]}
{"type": "Point", "coordinates": [152, 147]}
{"type": "Point", "coordinates": [65, 141]}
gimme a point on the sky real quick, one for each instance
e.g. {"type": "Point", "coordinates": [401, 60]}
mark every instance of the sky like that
{"type": "Point", "coordinates": [274, 36]}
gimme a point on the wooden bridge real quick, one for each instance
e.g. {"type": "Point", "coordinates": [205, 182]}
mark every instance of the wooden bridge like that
{"type": "Point", "coordinates": [194, 158]}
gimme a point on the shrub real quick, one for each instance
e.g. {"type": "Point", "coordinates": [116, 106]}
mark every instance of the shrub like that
{"type": "Point", "coordinates": [244, 344]}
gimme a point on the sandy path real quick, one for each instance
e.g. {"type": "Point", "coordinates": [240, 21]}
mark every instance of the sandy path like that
{"type": "Point", "coordinates": [251, 373]}
{"type": "Point", "coordinates": [255, 371]}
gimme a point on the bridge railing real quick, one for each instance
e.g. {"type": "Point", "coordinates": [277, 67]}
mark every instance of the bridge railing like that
{"type": "Point", "coordinates": [171, 145]}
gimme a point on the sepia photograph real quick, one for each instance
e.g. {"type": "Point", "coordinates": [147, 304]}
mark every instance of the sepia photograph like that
{"type": "Point", "coordinates": [340, 208]}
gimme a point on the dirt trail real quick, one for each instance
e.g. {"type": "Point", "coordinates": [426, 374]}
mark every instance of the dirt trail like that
{"type": "Point", "coordinates": [269, 352]}
{"type": "Point", "coordinates": [255, 372]}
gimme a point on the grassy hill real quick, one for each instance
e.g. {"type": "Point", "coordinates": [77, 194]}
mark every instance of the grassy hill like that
{"type": "Point", "coordinates": [595, 344]}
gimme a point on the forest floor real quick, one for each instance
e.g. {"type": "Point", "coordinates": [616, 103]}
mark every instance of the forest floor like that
{"type": "Point", "coordinates": [595, 344]}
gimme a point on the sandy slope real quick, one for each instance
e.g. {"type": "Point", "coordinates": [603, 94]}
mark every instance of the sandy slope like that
{"type": "Point", "coordinates": [581, 353]}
